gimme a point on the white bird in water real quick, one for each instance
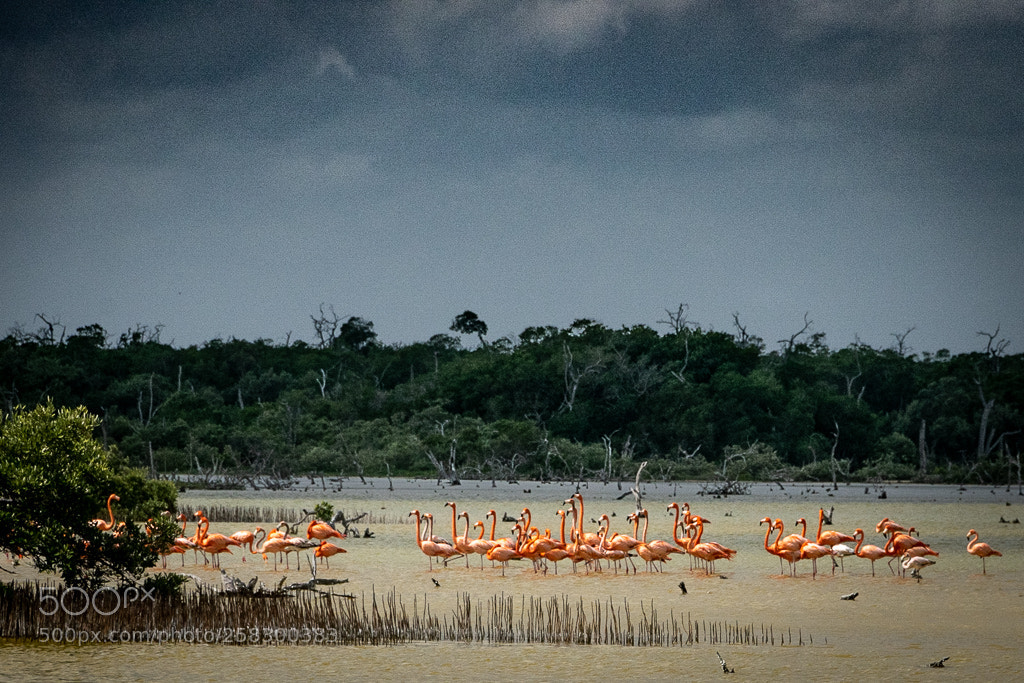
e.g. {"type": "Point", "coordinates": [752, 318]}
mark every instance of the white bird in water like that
{"type": "Point", "coordinates": [840, 550]}
{"type": "Point", "coordinates": [915, 564]}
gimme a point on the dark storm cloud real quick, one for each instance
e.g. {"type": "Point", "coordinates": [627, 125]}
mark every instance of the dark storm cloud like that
{"type": "Point", "coordinates": [872, 140]}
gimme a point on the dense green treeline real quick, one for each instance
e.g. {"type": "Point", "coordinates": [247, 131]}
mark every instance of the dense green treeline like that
{"type": "Point", "coordinates": [584, 401]}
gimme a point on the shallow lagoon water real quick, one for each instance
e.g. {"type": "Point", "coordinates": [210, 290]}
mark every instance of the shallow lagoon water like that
{"type": "Point", "coordinates": [894, 628]}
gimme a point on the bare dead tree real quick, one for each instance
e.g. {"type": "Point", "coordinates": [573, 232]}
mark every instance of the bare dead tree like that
{"type": "Point", "coordinates": [1014, 462]}
{"type": "Point", "coordinates": [359, 469]}
{"type": "Point", "coordinates": [995, 347]}
{"type": "Point", "coordinates": [606, 468]}
{"type": "Point", "coordinates": [453, 476]}
{"type": "Point", "coordinates": [742, 337]}
{"type": "Point", "coordinates": [901, 341]}
{"type": "Point", "coordinates": [677, 319]}
{"type": "Point", "coordinates": [687, 455]}
{"type": "Point", "coordinates": [326, 327]}
{"type": "Point", "coordinates": [789, 344]}
{"type": "Point", "coordinates": [641, 375]}
{"type": "Point", "coordinates": [833, 463]}
{"type": "Point", "coordinates": [636, 487]}
{"type": "Point", "coordinates": [142, 334]}
{"type": "Point", "coordinates": [922, 448]}
{"type": "Point", "coordinates": [851, 379]}
{"type": "Point", "coordinates": [726, 484]}
{"type": "Point", "coordinates": [47, 335]}
{"type": "Point", "coordinates": [437, 465]}
{"type": "Point", "coordinates": [322, 383]}
{"type": "Point", "coordinates": [147, 417]}
{"type": "Point", "coordinates": [986, 439]}
{"type": "Point", "coordinates": [679, 373]}
{"type": "Point", "coordinates": [573, 375]}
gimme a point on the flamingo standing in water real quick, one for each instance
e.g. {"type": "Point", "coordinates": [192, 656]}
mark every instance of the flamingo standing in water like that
{"type": "Point", "coordinates": [579, 549]}
{"type": "Point", "coordinates": [792, 556]}
{"type": "Point", "coordinates": [538, 545]}
{"type": "Point", "coordinates": [915, 564]}
{"type": "Point", "coordinates": [792, 541]}
{"type": "Point", "coordinates": [620, 543]}
{"type": "Point", "coordinates": [479, 545]}
{"type": "Point", "coordinates": [296, 545]}
{"type": "Point", "coordinates": [812, 551]}
{"type": "Point", "coordinates": [561, 551]}
{"type": "Point", "coordinates": [656, 550]}
{"type": "Point", "coordinates": [447, 549]}
{"type": "Point", "coordinates": [870, 552]}
{"type": "Point", "coordinates": [215, 544]}
{"type": "Point", "coordinates": [272, 546]}
{"type": "Point", "coordinates": [322, 531]}
{"type": "Point", "coordinates": [708, 551]}
{"type": "Point", "coordinates": [502, 554]}
{"type": "Point", "coordinates": [172, 549]}
{"type": "Point", "coordinates": [184, 542]}
{"type": "Point", "coordinates": [428, 547]}
{"type": "Point", "coordinates": [245, 537]}
{"type": "Point", "coordinates": [900, 543]}
{"type": "Point", "coordinates": [680, 521]}
{"type": "Point", "coordinates": [829, 537]}
{"type": "Point", "coordinates": [840, 550]}
{"type": "Point", "coordinates": [981, 550]}
{"type": "Point", "coordinates": [102, 524]}
{"type": "Point", "coordinates": [589, 537]}
{"type": "Point", "coordinates": [887, 526]}
{"type": "Point", "coordinates": [326, 550]}
{"type": "Point", "coordinates": [461, 543]}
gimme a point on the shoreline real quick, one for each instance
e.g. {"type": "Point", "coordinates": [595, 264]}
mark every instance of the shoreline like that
{"type": "Point", "coordinates": [381, 488]}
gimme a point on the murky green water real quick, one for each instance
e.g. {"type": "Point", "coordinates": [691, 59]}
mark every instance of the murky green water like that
{"type": "Point", "coordinates": [894, 628]}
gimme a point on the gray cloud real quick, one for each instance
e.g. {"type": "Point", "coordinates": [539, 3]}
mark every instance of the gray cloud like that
{"type": "Point", "coordinates": [538, 161]}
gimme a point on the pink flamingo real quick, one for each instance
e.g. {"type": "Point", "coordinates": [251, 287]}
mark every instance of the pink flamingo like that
{"type": "Point", "coordinates": [981, 550]}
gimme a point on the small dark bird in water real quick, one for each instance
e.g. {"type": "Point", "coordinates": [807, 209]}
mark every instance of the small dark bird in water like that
{"type": "Point", "coordinates": [849, 596]}
{"type": "Point", "coordinates": [436, 582]}
{"type": "Point", "coordinates": [725, 668]}
{"type": "Point", "coordinates": [938, 664]}
{"type": "Point", "coordinates": [682, 587]}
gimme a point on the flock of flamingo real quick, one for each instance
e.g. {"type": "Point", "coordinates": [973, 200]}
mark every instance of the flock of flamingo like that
{"type": "Point", "coordinates": [580, 547]}
{"type": "Point", "coordinates": [587, 548]}
{"type": "Point", "coordinates": [590, 549]}
{"type": "Point", "coordinates": [278, 542]}
{"type": "Point", "coordinates": [914, 553]}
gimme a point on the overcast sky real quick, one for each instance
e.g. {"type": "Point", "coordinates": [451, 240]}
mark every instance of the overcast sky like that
{"type": "Point", "coordinates": [224, 168]}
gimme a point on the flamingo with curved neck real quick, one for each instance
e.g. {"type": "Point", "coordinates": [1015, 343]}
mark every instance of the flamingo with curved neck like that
{"type": "Point", "coordinates": [870, 552]}
{"type": "Point", "coordinates": [709, 551]}
{"type": "Point", "coordinates": [460, 543]}
{"type": "Point", "coordinates": [214, 544]}
{"type": "Point", "coordinates": [981, 550]}
{"type": "Point", "coordinates": [102, 524]}
{"type": "Point", "coordinates": [830, 538]}
{"type": "Point", "coordinates": [774, 548]}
